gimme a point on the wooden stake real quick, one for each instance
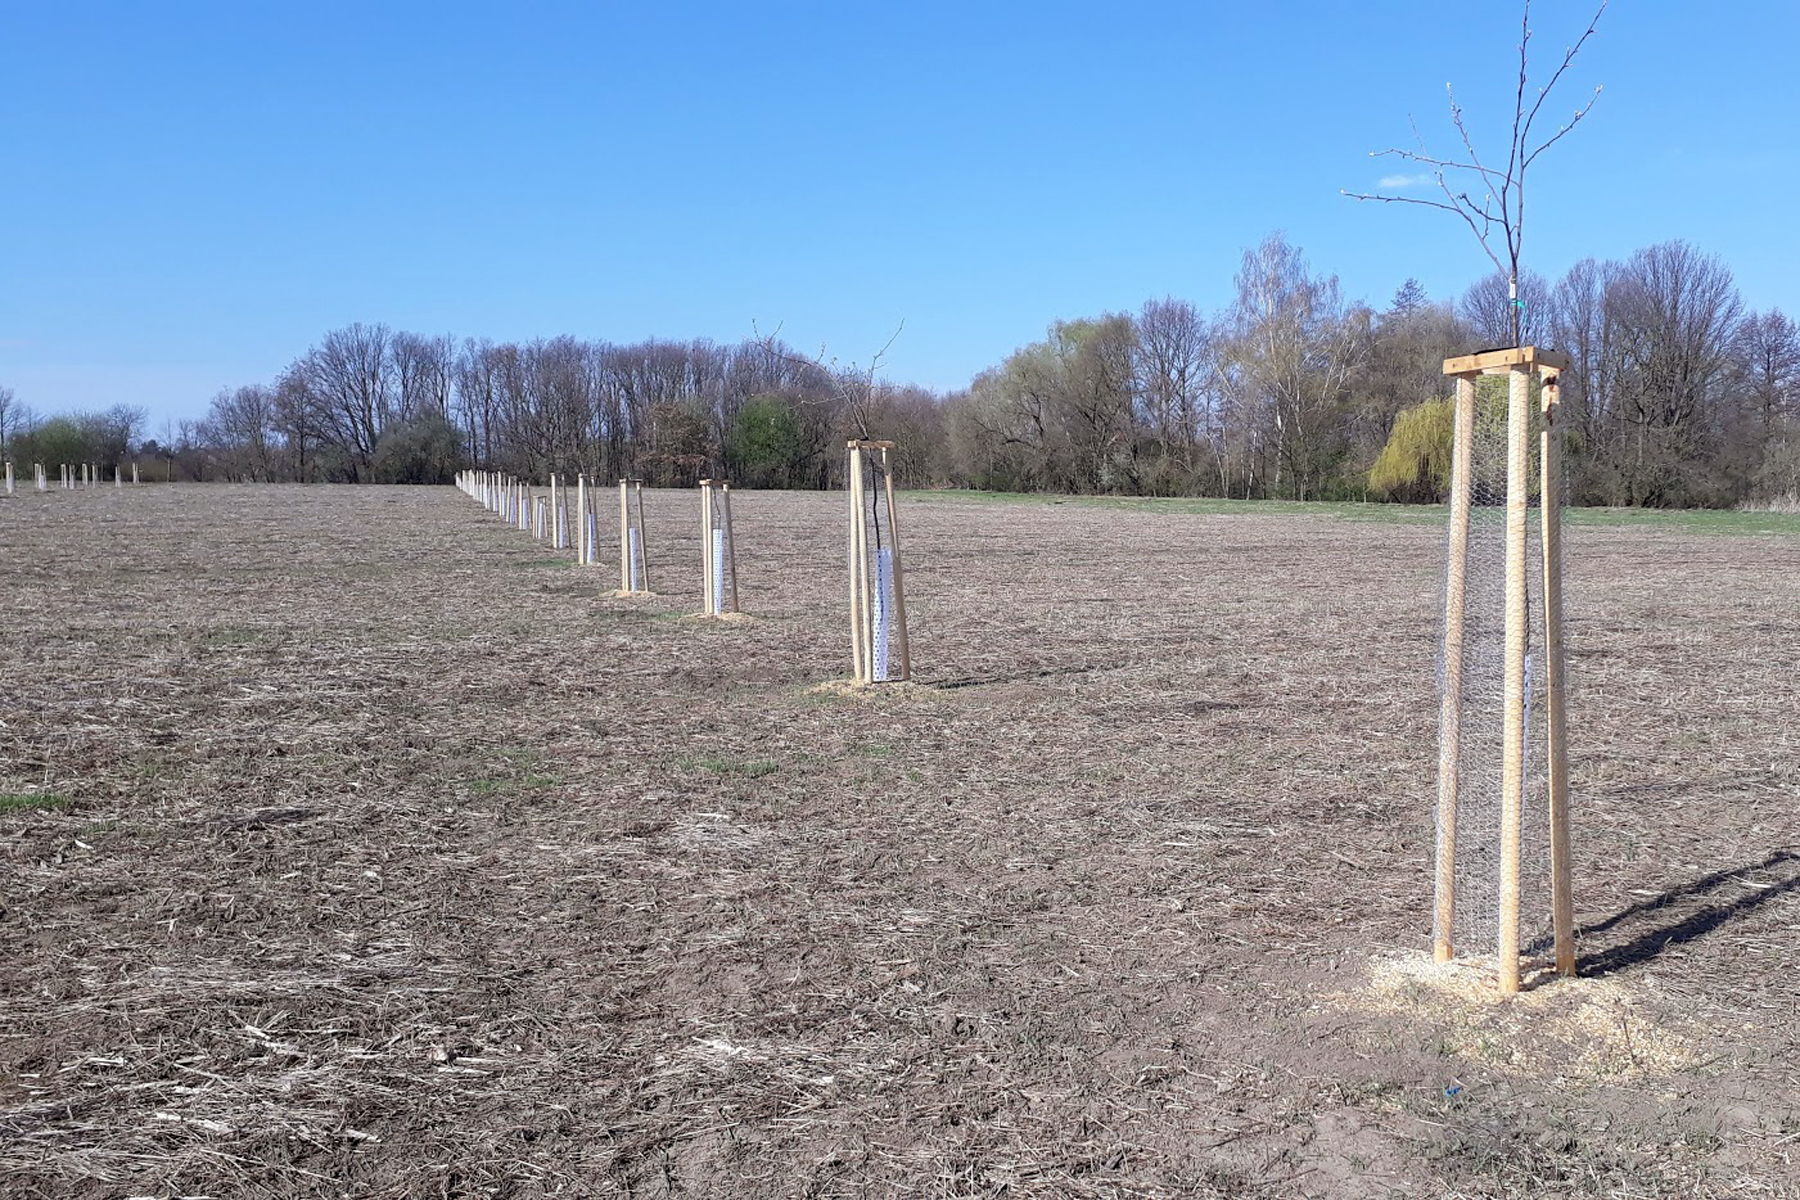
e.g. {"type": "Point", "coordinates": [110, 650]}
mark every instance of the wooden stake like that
{"type": "Point", "coordinates": [1443, 947]}
{"type": "Point", "coordinates": [624, 536]}
{"type": "Point", "coordinates": [1562, 902]}
{"type": "Point", "coordinates": [899, 614]}
{"type": "Point", "coordinates": [583, 548]}
{"type": "Point", "coordinates": [706, 527]}
{"type": "Point", "coordinates": [560, 506]}
{"type": "Point", "coordinates": [852, 489]}
{"type": "Point", "coordinates": [730, 543]}
{"type": "Point", "coordinates": [865, 560]}
{"type": "Point", "coordinates": [1512, 771]}
{"type": "Point", "coordinates": [637, 489]}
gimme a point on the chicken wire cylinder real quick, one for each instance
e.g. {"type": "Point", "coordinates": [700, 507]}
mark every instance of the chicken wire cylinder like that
{"type": "Point", "coordinates": [1494, 832]}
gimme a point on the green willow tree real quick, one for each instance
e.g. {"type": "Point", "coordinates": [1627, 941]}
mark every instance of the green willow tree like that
{"type": "Point", "coordinates": [1414, 466]}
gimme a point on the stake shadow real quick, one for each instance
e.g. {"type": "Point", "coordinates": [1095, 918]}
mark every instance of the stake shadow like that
{"type": "Point", "coordinates": [1695, 924]}
{"type": "Point", "coordinates": [967, 681]}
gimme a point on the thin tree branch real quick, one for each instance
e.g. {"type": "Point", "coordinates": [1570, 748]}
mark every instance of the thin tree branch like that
{"type": "Point", "coordinates": [1573, 121]}
{"type": "Point", "coordinates": [1462, 131]}
{"type": "Point", "coordinates": [1568, 57]}
{"type": "Point", "coordinates": [1449, 208]}
{"type": "Point", "coordinates": [1428, 161]}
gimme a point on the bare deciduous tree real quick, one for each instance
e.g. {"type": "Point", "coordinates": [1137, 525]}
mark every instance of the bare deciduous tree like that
{"type": "Point", "coordinates": [1288, 361]}
{"type": "Point", "coordinates": [1490, 200]}
{"type": "Point", "coordinates": [1768, 364]}
{"type": "Point", "coordinates": [349, 378]}
{"type": "Point", "coordinates": [423, 370]}
{"type": "Point", "coordinates": [241, 424]}
{"type": "Point", "coordinates": [1173, 378]}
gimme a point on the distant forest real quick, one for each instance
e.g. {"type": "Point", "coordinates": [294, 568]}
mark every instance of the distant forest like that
{"type": "Point", "coordinates": [1679, 397]}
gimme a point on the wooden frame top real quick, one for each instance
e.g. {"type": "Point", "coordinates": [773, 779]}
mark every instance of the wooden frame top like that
{"type": "Point", "coordinates": [1504, 360]}
{"type": "Point", "coordinates": [868, 445]}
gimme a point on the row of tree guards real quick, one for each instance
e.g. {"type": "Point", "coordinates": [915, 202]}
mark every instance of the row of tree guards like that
{"type": "Point", "coordinates": [72, 475]}
{"type": "Point", "coordinates": [1487, 699]}
{"type": "Point", "coordinates": [880, 652]}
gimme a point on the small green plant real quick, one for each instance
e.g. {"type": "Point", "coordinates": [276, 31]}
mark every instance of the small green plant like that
{"type": "Point", "coordinates": [511, 771]}
{"type": "Point", "coordinates": [34, 801]}
{"type": "Point", "coordinates": [745, 768]}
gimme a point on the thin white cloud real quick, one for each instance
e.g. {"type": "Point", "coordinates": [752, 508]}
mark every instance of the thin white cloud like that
{"type": "Point", "coordinates": [1403, 181]}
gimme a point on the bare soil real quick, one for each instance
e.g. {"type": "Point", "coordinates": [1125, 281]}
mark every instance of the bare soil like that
{"type": "Point", "coordinates": [353, 844]}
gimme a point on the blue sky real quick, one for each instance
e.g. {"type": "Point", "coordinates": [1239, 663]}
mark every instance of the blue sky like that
{"type": "Point", "coordinates": [190, 194]}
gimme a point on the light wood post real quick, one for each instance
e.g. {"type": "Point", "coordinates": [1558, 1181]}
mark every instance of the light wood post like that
{"type": "Point", "coordinates": [1512, 762]}
{"type": "Point", "coordinates": [898, 616]}
{"type": "Point", "coordinates": [9, 479]}
{"type": "Point", "coordinates": [134, 475]}
{"type": "Point", "coordinates": [559, 510]}
{"type": "Point", "coordinates": [624, 536]}
{"type": "Point", "coordinates": [43, 481]}
{"type": "Point", "coordinates": [637, 491]}
{"type": "Point", "coordinates": [859, 573]}
{"type": "Point", "coordinates": [730, 545]}
{"type": "Point", "coordinates": [634, 540]}
{"type": "Point", "coordinates": [850, 560]}
{"type": "Point", "coordinates": [1562, 902]}
{"type": "Point", "coordinates": [707, 599]}
{"type": "Point", "coordinates": [718, 551]}
{"type": "Point", "coordinates": [877, 590]}
{"type": "Point", "coordinates": [583, 547]}
{"type": "Point", "coordinates": [1450, 708]}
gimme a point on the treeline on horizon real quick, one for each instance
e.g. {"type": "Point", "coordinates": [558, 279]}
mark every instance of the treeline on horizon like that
{"type": "Point", "coordinates": [1678, 397]}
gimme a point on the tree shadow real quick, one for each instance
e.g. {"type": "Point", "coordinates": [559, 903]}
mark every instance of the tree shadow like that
{"type": "Point", "coordinates": [1694, 924]}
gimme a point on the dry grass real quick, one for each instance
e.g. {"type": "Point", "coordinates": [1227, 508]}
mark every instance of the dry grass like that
{"type": "Point", "coordinates": [395, 859]}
